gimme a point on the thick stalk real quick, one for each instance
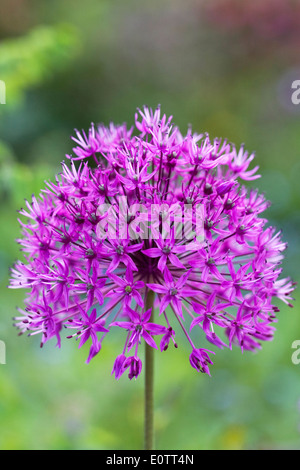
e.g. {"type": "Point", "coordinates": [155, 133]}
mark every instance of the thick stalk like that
{"type": "Point", "coordinates": [149, 383]}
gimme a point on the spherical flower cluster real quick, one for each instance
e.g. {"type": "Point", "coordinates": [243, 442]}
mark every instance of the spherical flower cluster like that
{"type": "Point", "coordinates": [143, 213]}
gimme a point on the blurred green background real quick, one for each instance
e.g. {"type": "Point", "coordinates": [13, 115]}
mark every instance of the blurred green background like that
{"type": "Point", "coordinates": [226, 67]}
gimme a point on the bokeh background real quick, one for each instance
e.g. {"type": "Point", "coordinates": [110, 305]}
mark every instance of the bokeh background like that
{"type": "Point", "coordinates": [224, 66]}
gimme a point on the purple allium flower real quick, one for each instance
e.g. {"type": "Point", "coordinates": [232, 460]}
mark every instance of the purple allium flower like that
{"type": "Point", "coordinates": [151, 211]}
{"type": "Point", "coordinates": [140, 327]}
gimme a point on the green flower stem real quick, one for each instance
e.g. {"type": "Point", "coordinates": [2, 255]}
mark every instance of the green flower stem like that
{"type": "Point", "coordinates": [149, 383]}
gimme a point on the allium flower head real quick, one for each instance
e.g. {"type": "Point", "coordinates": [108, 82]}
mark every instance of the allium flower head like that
{"type": "Point", "coordinates": [150, 211]}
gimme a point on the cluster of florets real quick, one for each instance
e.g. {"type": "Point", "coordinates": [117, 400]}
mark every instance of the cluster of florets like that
{"type": "Point", "coordinates": [151, 213]}
{"type": "Point", "coordinates": [270, 19]}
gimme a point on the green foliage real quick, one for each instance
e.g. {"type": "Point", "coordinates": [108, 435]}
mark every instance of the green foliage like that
{"type": "Point", "coordinates": [27, 62]}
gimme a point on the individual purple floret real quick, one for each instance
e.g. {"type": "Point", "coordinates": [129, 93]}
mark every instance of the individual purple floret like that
{"type": "Point", "coordinates": [148, 211]}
